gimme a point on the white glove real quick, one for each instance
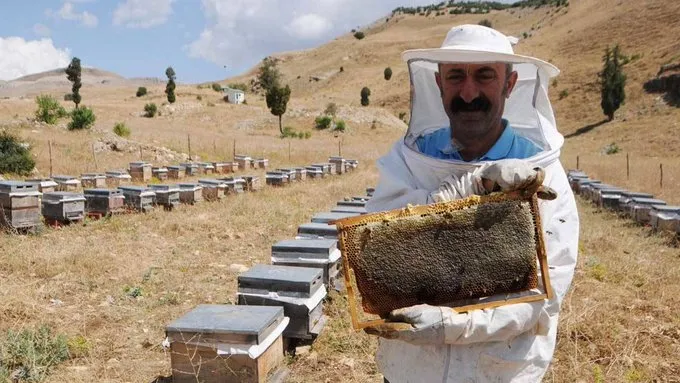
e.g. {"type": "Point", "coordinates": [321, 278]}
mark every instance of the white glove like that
{"type": "Point", "coordinates": [420, 325]}
{"type": "Point", "coordinates": [503, 175]}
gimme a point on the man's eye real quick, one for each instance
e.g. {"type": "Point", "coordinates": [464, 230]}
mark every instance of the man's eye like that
{"type": "Point", "coordinates": [455, 78]}
{"type": "Point", "coordinates": [485, 77]}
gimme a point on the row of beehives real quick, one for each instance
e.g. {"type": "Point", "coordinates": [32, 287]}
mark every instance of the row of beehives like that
{"type": "Point", "coordinates": [335, 165]}
{"type": "Point", "coordinates": [25, 203]}
{"type": "Point", "coordinates": [279, 307]}
{"type": "Point", "coordinates": [643, 208]}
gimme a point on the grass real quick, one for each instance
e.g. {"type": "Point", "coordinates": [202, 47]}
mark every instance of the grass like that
{"type": "Point", "coordinates": [29, 355]}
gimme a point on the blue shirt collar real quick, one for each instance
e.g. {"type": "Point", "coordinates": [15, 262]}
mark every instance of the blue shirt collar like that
{"type": "Point", "coordinates": [498, 151]}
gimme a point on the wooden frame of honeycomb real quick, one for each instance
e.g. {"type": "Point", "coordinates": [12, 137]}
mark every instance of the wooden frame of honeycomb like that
{"type": "Point", "coordinates": [365, 283]}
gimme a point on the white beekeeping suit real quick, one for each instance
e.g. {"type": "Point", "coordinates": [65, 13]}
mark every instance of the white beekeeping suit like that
{"type": "Point", "coordinates": [513, 343]}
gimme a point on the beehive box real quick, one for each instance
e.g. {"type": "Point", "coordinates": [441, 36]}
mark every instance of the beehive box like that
{"type": "Point", "coordinates": [328, 168]}
{"type": "Point", "coordinates": [262, 163]}
{"type": "Point", "coordinates": [330, 217]}
{"type": "Point", "coordinates": [66, 183]}
{"type": "Point", "coordinates": [190, 193]}
{"type": "Point", "coordinates": [206, 168]}
{"type": "Point", "coordinates": [583, 182]}
{"type": "Point", "coordinates": [19, 205]}
{"type": "Point", "coordinates": [477, 248]}
{"type": "Point", "coordinates": [234, 185]}
{"type": "Point", "coordinates": [317, 230]}
{"type": "Point", "coordinates": [93, 180]}
{"type": "Point", "coordinates": [315, 172]}
{"type": "Point", "coordinates": [318, 253]}
{"type": "Point", "coordinates": [115, 178]}
{"type": "Point", "coordinates": [176, 172]}
{"type": "Point", "coordinates": [627, 196]}
{"type": "Point", "coordinates": [299, 290]}
{"type": "Point", "coordinates": [610, 200]}
{"type": "Point", "coordinates": [220, 167]}
{"type": "Point", "coordinates": [234, 167]}
{"type": "Point", "coordinates": [340, 164]}
{"type": "Point", "coordinates": [104, 201]}
{"type": "Point", "coordinates": [276, 178]}
{"type": "Point", "coordinates": [160, 173]}
{"type": "Point", "coordinates": [352, 164]}
{"type": "Point", "coordinates": [665, 218]}
{"type": "Point", "coordinates": [63, 206]}
{"type": "Point", "coordinates": [226, 344]}
{"type": "Point", "coordinates": [252, 183]}
{"type": "Point", "coordinates": [349, 209]}
{"type": "Point", "coordinates": [598, 192]}
{"type": "Point", "coordinates": [300, 173]}
{"type": "Point", "coordinates": [138, 198]}
{"type": "Point", "coordinates": [291, 173]}
{"type": "Point", "coordinates": [45, 185]}
{"type": "Point", "coordinates": [213, 190]}
{"type": "Point", "coordinates": [191, 169]}
{"type": "Point", "coordinates": [166, 195]}
{"type": "Point", "coordinates": [370, 191]}
{"type": "Point", "coordinates": [140, 171]}
{"type": "Point", "coordinates": [638, 208]}
{"type": "Point", "coordinates": [244, 162]}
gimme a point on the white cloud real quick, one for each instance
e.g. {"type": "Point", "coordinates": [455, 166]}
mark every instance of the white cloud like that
{"type": "Point", "coordinates": [41, 30]}
{"type": "Point", "coordinates": [19, 57]}
{"type": "Point", "coordinates": [309, 27]}
{"type": "Point", "coordinates": [142, 13]}
{"type": "Point", "coordinates": [240, 33]}
{"type": "Point", "coordinates": [68, 12]}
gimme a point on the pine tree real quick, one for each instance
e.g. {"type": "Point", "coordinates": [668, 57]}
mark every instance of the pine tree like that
{"type": "Point", "coordinates": [612, 81]}
{"type": "Point", "coordinates": [277, 100]}
{"type": "Point", "coordinates": [387, 73]}
{"type": "Point", "coordinates": [73, 73]}
{"type": "Point", "coordinates": [365, 93]}
{"type": "Point", "coordinates": [269, 76]}
{"type": "Point", "coordinates": [170, 88]}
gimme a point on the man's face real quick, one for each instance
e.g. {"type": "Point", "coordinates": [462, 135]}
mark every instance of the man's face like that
{"type": "Point", "coordinates": [474, 96]}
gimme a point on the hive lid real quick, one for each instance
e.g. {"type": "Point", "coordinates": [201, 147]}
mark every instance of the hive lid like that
{"type": "Point", "coordinates": [190, 186]}
{"type": "Point", "coordinates": [285, 280]}
{"type": "Point", "coordinates": [633, 194]}
{"type": "Point", "coordinates": [256, 322]}
{"type": "Point", "coordinates": [159, 169]}
{"type": "Point", "coordinates": [314, 169]}
{"type": "Point", "coordinates": [139, 164]}
{"type": "Point", "coordinates": [189, 165]}
{"type": "Point", "coordinates": [92, 176]}
{"type": "Point", "coordinates": [329, 217]}
{"type": "Point", "coordinates": [647, 201]}
{"type": "Point", "coordinates": [164, 188]}
{"type": "Point", "coordinates": [103, 192]}
{"type": "Point", "coordinates": [206, 165]}
{"type": "Point", "coordinates": [66, 179]}
{"type": "Point", "coordinates": [666, 208]}
{"type": "Point", "coordinates": [118, 174]}
{"type": "Point", "coordinates": [314, 247]}
{"type": "Point", "coordinates": [176, 167]}
{"type": "Point", "coordinates": [60, 196]}
{"type": "Point", "coordinates": [355, 203]}
{"type": "Point", "coordinates": [141, 190]}
{"type": "Point", "coordinates": [43, 182]}
{"type": "Point", "coordinates": [211, 182]}
{"type": "Point", "coordinates": [349, 209]}
{"type": "Point", "coordinates": [317, 228]}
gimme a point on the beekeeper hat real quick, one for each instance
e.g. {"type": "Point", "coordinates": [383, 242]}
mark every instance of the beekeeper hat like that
{"type": "Point", "coordinates": [476, 43]}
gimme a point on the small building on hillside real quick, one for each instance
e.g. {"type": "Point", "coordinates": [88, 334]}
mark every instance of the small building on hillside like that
{"type": "Point", "coordinates": [234, 96]}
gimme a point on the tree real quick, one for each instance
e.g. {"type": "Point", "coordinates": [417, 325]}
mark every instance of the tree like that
{"type": "Point", "coordinates": [73, 73]}
{"type": "Point", "coordinates": [141, 91]}
{"type": "Point", "coordinates": [359, 35]}
{"type": "Point", "coordinates": [612, 81]}
{"type": "Point", "coordinates": [82, 118]}
{"type": "Point", "coordinates": [388, 73]}
{"type": "Point", "coordinates": [269, 76]}
{"type": "Point", "coordinates": [277, 100]}
{"type": "Point", "coordinates": [15, 157]}
{"type": "Point", "coordinates": [365, 93]}
{"type": "Point", "coordinates": [170, 88]}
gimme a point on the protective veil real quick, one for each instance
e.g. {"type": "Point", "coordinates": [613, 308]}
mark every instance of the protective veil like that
{"type": "Point", "coordinates": [508, 344]}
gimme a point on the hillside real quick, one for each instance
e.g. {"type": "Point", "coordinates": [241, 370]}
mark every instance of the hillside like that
{"type": "Point", "coordinates": [619, 321]}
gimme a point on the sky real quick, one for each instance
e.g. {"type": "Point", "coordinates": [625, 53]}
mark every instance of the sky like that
{"type": "Point", "coordinates": [203, 40]}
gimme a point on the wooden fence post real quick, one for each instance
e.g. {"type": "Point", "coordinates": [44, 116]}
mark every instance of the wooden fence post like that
{"type": "Point", "coordinates": [661, 173]}
{"type": "Point", "coordinates": [627, 166]}
{"type": "Point", "coordinates": [578, 165]}
{"type": "Point", "coordinates": [189, 144]}
{"type": "Point", "coordinates": [49, 143]}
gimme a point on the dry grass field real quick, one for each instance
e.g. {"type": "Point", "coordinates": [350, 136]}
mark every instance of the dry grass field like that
{"type": "Point", "coordinates": [110, 286]}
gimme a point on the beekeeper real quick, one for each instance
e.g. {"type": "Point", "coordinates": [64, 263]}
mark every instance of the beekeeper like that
{"type": "Point", "coordinates": [481, 121]}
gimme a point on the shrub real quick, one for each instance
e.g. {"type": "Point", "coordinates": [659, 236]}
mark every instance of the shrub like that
{"type": "Point", "coordinates": [141, 91]}
{"type": "Point", "coordinates": [388, 73]}
{"type": "Point", "coordinates": [81, 118]}
{"type": "Point", "coordinates": [323, 122]}
{"type": "Point", "coordinates": [564, 93]}
{"type": "Point", "coordinates": [30, 355]}
{"type": "Point", "coordinates": [340, 126]}
{"type": "Point", "coordinates": [359, 35]}
{"type": "Point", "coordinates": [612, 148]}
{"type": "Point", "coordinates": [121, 130]}
{"type": "Point", "coordinates": [49, 110]}
{"type": "Point", "coordinates": [150, 110]}
{"type": "Point", "coordinates": [15, 158]}
{"type": "Point", "coordinates": [331, 109]}
{"type": "Point", "coordinates": [199, 97]}
{"type": "Point", "coordinates": [486, 23]}
{"type": "Point", "coordinates": [342, 69]}
{"type": "Point", "coordinates": [288, 132]}
{"type": "Point", "coordinates": [68, 97]}
{"type": "Point", "coordinates": [216, 87]}
{"type": "Point", "coordinates": [301, 135]}
{"type": "Point", "coordinates": [402, 116]}
{"type": "Point", "coordinates": [308, 135]}
{"type": "Point", "coordinates": [365, 93]}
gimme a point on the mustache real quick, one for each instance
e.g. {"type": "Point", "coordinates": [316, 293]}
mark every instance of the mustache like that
{"type": "Point", "coordinates": [478, 104]}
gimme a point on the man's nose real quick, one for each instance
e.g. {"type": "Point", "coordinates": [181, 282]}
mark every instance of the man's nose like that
{"type": "Point", "coordinates": [469, 89]}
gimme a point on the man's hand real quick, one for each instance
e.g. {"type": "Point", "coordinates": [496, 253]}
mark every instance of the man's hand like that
{"type": "Point", "coordinates": [509, 175]}
{"type": "Point", "coordinates": [420, 325]}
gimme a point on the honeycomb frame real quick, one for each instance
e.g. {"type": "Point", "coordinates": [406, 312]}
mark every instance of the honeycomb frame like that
{"type": "Point", "coordinates": [349, 226]}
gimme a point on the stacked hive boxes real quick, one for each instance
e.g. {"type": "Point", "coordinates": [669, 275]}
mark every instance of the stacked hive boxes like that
{"type": "Point", "coordinates": [19, 205]}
